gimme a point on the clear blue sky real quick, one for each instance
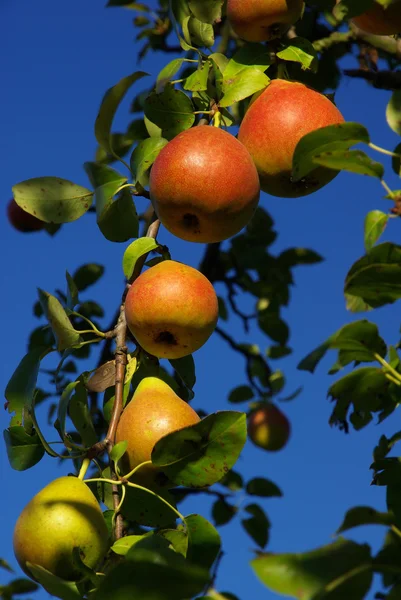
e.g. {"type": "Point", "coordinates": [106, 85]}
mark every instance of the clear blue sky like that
{"type": "Point", "coordinates": [57, 59]}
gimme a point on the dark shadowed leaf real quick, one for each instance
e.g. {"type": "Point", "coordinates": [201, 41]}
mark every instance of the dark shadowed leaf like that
{"type": "Point", "coordinates": [72, 293]}
{"type": "Point", "coordinates": [259, 486]}
{"type": "Point", "coordinates": [232, 480]}
{"type": "Point", "coordinates": [201, 454]}
{"type": "Point", "coordinates": [354, 161]}
{"type": "Point", "coordinates": [103, 377]}
{"type": "Point", "coordinates": [23, 450]}
{"type": "Point", "coordinates": [185, 367]}
{"type": "Point", "coordinates": [377, 277]}
{"type": "Point", "coordinates": [223, 512]}
{"type": "Point", "coordinates": [242, 393]}
{"type": "Point", "coordinates": [87, 275]}
{"type": "Point", "coordinates": [80, 415]}
{"type": "Point", "coordinates": [52, 199]}
{"type": "Point", "coordinates": [257, 525]}
{"type": "Point", "coordinates": [117, 219]}
{"type": "Point", "coordinates": [21, 586]}
{"type": "Point", "coordinates": [20, 389]}
{"type": "Point", "coordinates": [342, 568]}
{"type": "Point", "coordinates": [204, 541]}
{"type": "Point", "coordinates": [364, 515]}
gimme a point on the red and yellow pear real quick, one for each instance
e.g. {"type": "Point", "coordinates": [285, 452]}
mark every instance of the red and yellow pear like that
{"type": "Point", "coordinates": [379, 20]}
{"type": "Point", "coordinates": [154, 411]}
{"type": "Point", "coordinates": [204, 186]}
{"type": "Point", "coordinates": [22, 220]}
{"type": "Point", "coordinates": [62, 516]}
{"type": "Point", "coordinates": [171, 309]}
{"type": "Point", "coordinates": [268, 428]}
{"type": "Point", "coordinates": [272, 127]}
{"type": "Point", "coordinates": [263, 20]}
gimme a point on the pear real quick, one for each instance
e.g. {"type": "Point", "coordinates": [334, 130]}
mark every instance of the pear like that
{"type": "Point", "coordinates": [154, 411]}
{"type": "Point", "coordinates": [269, 428]}
{"type": "Point", "coordinates": [62, 516]}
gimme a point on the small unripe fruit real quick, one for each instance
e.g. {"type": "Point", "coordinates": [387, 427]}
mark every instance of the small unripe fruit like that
{"type": "Point", "coordinates": [272, 127]}
{"type": "Point", "coordinates": [21, 220]}
{"type": "Point", "coordinates": [171, 310]}
{"type": "Point", "coordinates": [269, 428]}
{"type": "Point", "coordinates": [63, 516]}
{"type": "Point", "coordinates": [263, 20]}
{"type": "Point", "coordinates": [204, 185]}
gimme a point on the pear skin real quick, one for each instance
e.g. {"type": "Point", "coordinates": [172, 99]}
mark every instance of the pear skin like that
{"type": "Point", "coordinates": [171, 309]}
{"type": "Point", "coordinates": [63, 515]}
{"type": "Point", "coordinates": [263, 20]}
{"type": "Point", "coordinates": [154, 411]}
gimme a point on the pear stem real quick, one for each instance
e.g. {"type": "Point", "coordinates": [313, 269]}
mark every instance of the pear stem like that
{"type": "Point", "coordinates": [84, 467]}
{"type": "Point", "coordinates": [148, 462]}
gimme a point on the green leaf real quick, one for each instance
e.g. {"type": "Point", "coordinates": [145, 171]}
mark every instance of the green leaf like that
{"type": "Point", "coordinates": [355, 304]}
{"type": "Point", "coordinates": [87, 275]}
{"type": "Point", "coordinates": [99, 174]}
{"type": "Point", "coordinates": [250, 56]}
{"type": "Point", "coordinates": [152, 572]}
{"type": "Point", "coordinates": [376, 277]}
{"type": "Point", "coordinates": [202, 34]}
{"type": "Point", "coordinates": [171, 110]}
{"type": "Point", "coordinates": [342, 568]}
{"type": "Point", "coordinates": [258, 525]}
{"type": "Point", "coordinates": [358, 341]}
{"type": "Point", "coordinates": [108, 109]}
{"type": "Point", "coordinates": [80, 415]}
{"type": "Point", "coordinates": [393, 112]}
{"type": "Point", "coordinates": [346, 9]}
{"type": "Point", "coordinates": [143, 158]}
{"type": "Point", "coordinates": [138, 248]}
{"type": "Point", "coordinates": [259, 486]}
{"type": "Point", "coordinates": [52, 199]}
{"type": "Point", "coordinates": [118, 451]}
{"type": "Point", "coordinates": [198, 80]}
{"type": "Point", "coordinates": [242, 85]}
{"type": "Point", "coordinates": [242, 393]}
{"type": "Point", "coordinates": [117, 219]}
{"type": "Point", "coordinates": [325, 139]}
{"type": "Point", "coordinates": [23, 450]}
{"type": "Point", "coordinates": [4, 565]}
{"type": "Point", "coordinates": [204, 541]}
{"type": "Point", "coordinates": [124, 545]}
{"type": "Point", "coordinates": [301, 51]}
{"type": "Point", "coordinates": [21, 586]}
{"type": "Point", "coordinates": [65, 334]}
{"type": "Point", "coordinates": [185, 367]}
{"type": "Point", "coordinates": [207, 11]}
{"type": "Point", "coordinates": [364, 515]}
{"type": "Point", "coordinates": [199, 455]}
{"type": "Point", "coordinates": [66, 590]}
{"type": "Point", "coordinates": [167, 73]}
{"type": "Point", "coordinates": [354, 161]}
{"type": "Point", "coordinates": [375, 224]}
{"type": "Point", "coordinates": [21, 387]}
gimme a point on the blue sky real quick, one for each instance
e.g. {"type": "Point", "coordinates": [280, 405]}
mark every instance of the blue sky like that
{"type": "Point", "coordinates": [57, 60]}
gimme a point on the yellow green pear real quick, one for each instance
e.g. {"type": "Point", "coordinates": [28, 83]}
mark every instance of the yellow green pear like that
{"type": "Point", "coordinates": [62, 516]}
{"type": "Point", "coordinates": [154, 411]}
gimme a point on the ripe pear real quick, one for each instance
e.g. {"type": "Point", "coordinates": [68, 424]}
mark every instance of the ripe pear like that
{"type": "Point", "coordinates": [379, 20]}
{"type": "Point", "coordinates": [171, 309]}
{"type": "Point", "coordinates": [154, 411]}
{"type": "Point", "coordinates": [204, 186]}
{"type": "Point", "coordinates": [268, 428]}
{"type": "Point", "coordinates": [21, 220]}
{"type": "Point", "coordinates": [272, 127]}
{"type": "Point", "coordinates": [62, 516]}
{"type": "Point", "coordinates": [263, 20]}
